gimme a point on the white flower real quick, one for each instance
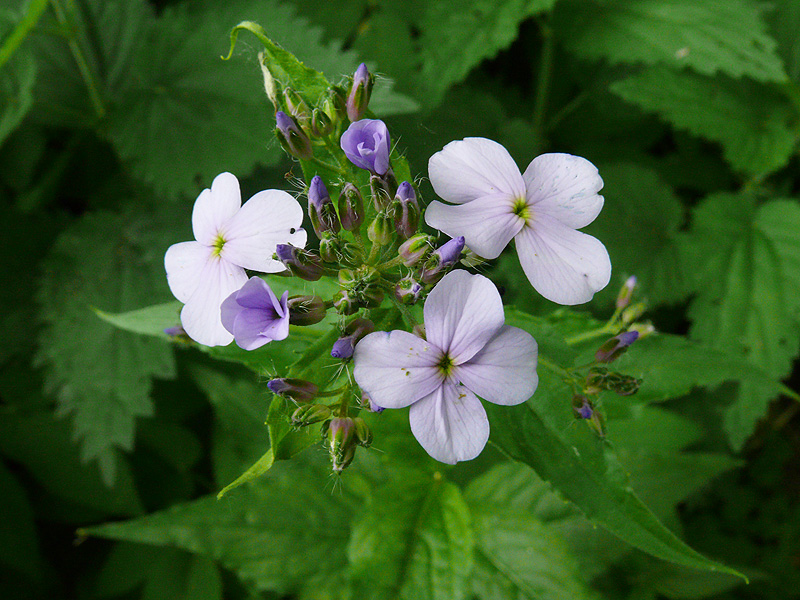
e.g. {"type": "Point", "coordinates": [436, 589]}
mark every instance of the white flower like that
{"type": "Point", "coordinates": [230, 238]}
{"type": "Point", "coordinates": [468, 352]}
{"type": "Point", "coordinates": [492, 203]}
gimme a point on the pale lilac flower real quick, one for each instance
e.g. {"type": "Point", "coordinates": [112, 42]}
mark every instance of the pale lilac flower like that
{"type": "Point", "coordinates": [255, 315]}
{"type": "Point", "coordinates": [469, 352]}
{"type": "Point", "coordinates": [541, 210]}
{"type": "Point", "coordinates": [230, 238]}
{"type": "Point", "coordinates": [366, 144]}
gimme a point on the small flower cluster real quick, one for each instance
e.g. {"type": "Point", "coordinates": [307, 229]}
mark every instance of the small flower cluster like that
{"type": "Point", "coordinates": [370, 242]}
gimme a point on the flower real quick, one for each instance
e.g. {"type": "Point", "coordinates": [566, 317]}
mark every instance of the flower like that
{"type": "Point", "coordinates": [469, 352]}
{"type": "Point", "coordinates": [541, 209]}
{"type": "Point", "coordinates": [366, 144]}
{"type": "Point", "coordinates": [230, 238]}
{"type": "Point", "coordinates": [254, 315]}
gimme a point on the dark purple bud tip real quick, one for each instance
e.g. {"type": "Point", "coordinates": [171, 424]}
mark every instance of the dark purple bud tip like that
{"type": "Point", "coordinates": [360, 91]}
{"type": "Point", "coordinates": [174, 331]}
{"type": "Point", "coordinates": [298, 390]}
{"type": "Point", "coordinates": [442, 259]}
{"type": "Point", "coordinates": [292, 139]}
{"type": "Point", "coordinates": [343, 348]}
{"type": "Point", "coordinates": [612, 349]}
{"type": "Point", "coordinates": [582, 406]}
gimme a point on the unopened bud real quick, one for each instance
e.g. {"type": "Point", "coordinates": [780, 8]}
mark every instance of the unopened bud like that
{"type": "Point", "coordinates": [408, 290]}
{"type": "Point", "coordinates": [415, 249]}
{"type": "Point", "coordinates": [351, 207]}
{"type": "Point", "coordinates": [362, 432]}
{"type": "Point", "coordinates": [600, 378]}
{"type": "Point", "coordinates": [369, 404]}
{"type": "Point", "coordinates": [291, 137]}
{"type": "Point", "coordinates": [341, 441]}
{"type": "Point", "coordinates": [321, 209]}
{"type": "Point", "coordinates": [330, 248]}
{"type": "Point", "coordinates": [301, 263]}
{"type": "Point", "coordinates": [644, 329]}
{"type": "Point", "coordinates": [299, 390]}
{"type": "Point", "coordinates": [382, 192]}
{"type": "Point", "coordinates": [321, 124]}
{"type": "Point", "coordinates": [310, 414]}
{"type": "Point", "coordinates": [334, 104]}
{"type": "Point", "coordinates": [406, 210]}
{"type": "Point", "coordinates": [612, 349]}
{"type": "Point", "coordinates": [345, 303]}
{"type": "Point", "coordinates": [626, 292]}
{"type": "Point", "coordinates": [582, 407]}
{"type": "Point", "coordinates": [381, 229]}
{"type": "Point", "coordinates": [306, 310]}
{"type": "Point", "coordinates": [360, 92]}
{"type": "Point", "coordinates": [297, 106]}
{"type": "Point", "coordinates": [442, 259]}
{"type": "Point", "coordinates": [633, 312]}
{"type": "Point", "coordinates": [344, 347]}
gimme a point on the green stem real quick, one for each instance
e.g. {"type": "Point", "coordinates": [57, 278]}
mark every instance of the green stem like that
{"type": "Point", "coordinates": [304, 363]}
{"type": "Point", "coordinates": [790, 393]}
{"type": "Point", "coordinates": [544, 77]}
{"type": "Point", "coordinates": [390, 264]}
{"type": "Point", "coordinates": [333, 168]}
{"type": "Point", "coordinates": [21, 31]}
{"type": "Point", "coordinates": [589, 335]}
{"type": "Point", "coordinates": [80, 59]}
{"type": "Point", "coordinates": [557, 369]}
{"type": "Point", "coordinates": [373, 253]}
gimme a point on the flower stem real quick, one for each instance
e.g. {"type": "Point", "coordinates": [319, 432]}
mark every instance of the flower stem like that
{"type": "Point", "coordinates": [333, 168]}
{"type": "Point", "coordinates": [390, 264]}
{"type": "Point", "coordinates": [557, 369]}
{"type": "Point", "coordinates": [589, 335]}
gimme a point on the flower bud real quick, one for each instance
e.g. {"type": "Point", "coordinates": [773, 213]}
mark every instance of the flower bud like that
{"type": "Point", "coordinates": [335, 104]}
{"type": "Point", "coordinates": [582, 406]}
{"type": "Point", "coordinates": [301, 263]}
{"type": "Point", "coordinates": [644, 329]}
{"type": "Point", "coordinates": [344, 347]}
{"type": "Point", "coordinates": [298, 390]}
{"type": "Point", "coordinates": [406, 210]}
{"type": "Point", "coordinates": [612, 349]}
{"type": "Point", "coordinates": [297, 106]}
{"type": "Point", "coordinates": [306, 310]}
{"type": "Point", "coordinates": [367, 145]}
{"type": "Point", "coordinates": [330, 248]}
{"type": "Point", "coordinates": [321, 124]}
{"type": "Point", "coordinates": [633, 312]}
{"type": "Point", "coordinates": [362, 433]}
{"type": "Point", "coordinates": [309, 414]}
{"type": "Point", "coordinates": [360, 92]}
{"type": "Point", "coordinates": [271, 86]}
{"type": "Point", "coordinates": [442, 259]}
{"type": "Point", "coordinates": [345, 303]}
{"type": "Point", "coordinates": [341, 441]}
{"type": "Point", "coordinates": [600, 378]}
{"type": "Point", "coordinates": [408, 290]}
{"type": "Point", "coordinates": [351, 207]}
{"type": "Point", "coordinates": [292, 139]}
{"type": "Point", "coordinates": [415, 249]}
{"type": "Point", "coordinates": [626, 293]}
{"type": "Point", "coordinates": [321, 209]}
{"type": "Point", "coordinates": [369, 404]}
{"type": "Point", "coordinates": [381, 229]}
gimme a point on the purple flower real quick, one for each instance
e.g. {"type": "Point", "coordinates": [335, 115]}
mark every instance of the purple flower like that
{"type": "Point", "coordinates": [254, 315]}
{"type": "Point", "coordinates": [469, 352]}
{"type": "Point", "coordinates": [366, 144]}
{"type": "Point", "coordinates": [612, 349]}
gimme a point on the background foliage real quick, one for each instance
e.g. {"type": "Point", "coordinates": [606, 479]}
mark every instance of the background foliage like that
{"type": "Point", "coordinates": [114, 114]}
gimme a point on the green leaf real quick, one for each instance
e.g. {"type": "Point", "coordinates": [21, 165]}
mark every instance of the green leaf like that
{"type": "Point", "coordinates": [277, 534]}
{"type": "Point", "coordinates": [709, 36]}
{"type": "Point", "coordinates": [101, 375]}
{"type": "Point", "coordinates": [752, 122]}
{"type": "Point", "coordinates": [414, 541]}
{"type": "Point", "coordinates": [746, 261]}
{"type": "Point", "coordinates": [17, 74]}
{"type": "Point", "coordinates": [784, 19]}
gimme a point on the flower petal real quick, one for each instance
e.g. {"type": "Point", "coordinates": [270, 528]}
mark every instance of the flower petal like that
{"type": "Point", "coordinates": [252, 328]}
{"type": "Point", "coordinates": [184, 264]}
{"type": "Point", "coordinates": [474, 167]}
{"type": "Point", "coordinates": [450, 424]}
{"type": "Point", "coordinates": [396, 368]}
{"type": "Point", "coordinates": [504, 371]}
{"type": "Point", "coordinates": [214, 207]}
{"type": "Point", "coordinates": [269, 218]}
{"type": "Point", "coordinates": [563, 265]}
{"type": "Point", "coordinates": [200, 316]}
{"type": "Point", "coordinates": [487, 223]}
{"type": "Point", "coordinates": [565, 187]}
{"type": "Point", "coordinates": [462, 313]}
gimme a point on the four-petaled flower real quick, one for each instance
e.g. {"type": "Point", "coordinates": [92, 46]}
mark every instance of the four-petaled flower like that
{"type": "Point", "coordinates": [469, 352]}
{"type": "Point", "coordinates": [230, 238]}
{"type": "Point", "coordinates": [255, 315]}
{"type": "Point", "coordinates": [541, 209]}
{"type": "Point", "coordinates": [366, 144]}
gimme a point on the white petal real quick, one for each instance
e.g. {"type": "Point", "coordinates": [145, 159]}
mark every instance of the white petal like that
{"type": "Point", "coordinates": [473, 167]}
{"type": "Point", "coordinates": [269, 218]}
{"type": "Point", "coordinates": [396, 368]}
{"type": "Point", "coordinates": [200, 316]}
{"type": "Point", "coordinates": [504, 371]}
{"type": "Point", "coordinates": [462, 313]}
{"type": "Point", "coordinates": [565, 187]}
{"type": "Point", "coordinates": [214, 207]}
{"type": "Point", "coordinates": [450, 424]}
{"type": "Point", "coordinates": [487, 224]}
{"type": "Point", "coordinates": [184, 264]}
{"type": "Point", "coordinates": [563, 265]}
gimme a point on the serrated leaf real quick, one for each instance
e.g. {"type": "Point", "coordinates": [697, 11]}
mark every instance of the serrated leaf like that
{"type": "Point", "coordinates": [251, 532]}
{"type": "Point", "coordinates": [709, 36]}
{"type": "Point", "coordinates": [751, 121]}
{"type": "Point", "coordinates": [101, 375]}
{"type": "Point", "coordinates": [784, 19]}
{"type": "Point", "coordinates": [746, 262]}
{"type": "Point", "coordinates": [413, 542]}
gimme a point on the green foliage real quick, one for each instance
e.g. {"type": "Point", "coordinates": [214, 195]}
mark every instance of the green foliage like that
{"type": "Point", "coordinates": [17, 77]}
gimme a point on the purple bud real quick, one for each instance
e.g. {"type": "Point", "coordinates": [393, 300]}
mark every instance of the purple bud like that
{"type": "Point", "coordinates": [351, 207]}
{"type": "Point", "coordinates": [408, 290]}
{"type": "Point", "coordinates": [175, 331]}
{"type": "Point", "coordinates": [415, 248]}
{"type": "Point", "coordinates": [298, 390]}
{"type": "Point", "coordinates": [360, 92]}
{"type": "Point", "coordinates": [254, 315]}
{"type": "Point", "coordinates": [321, 209]}
{"type": "Point", "coordinates": [366, 144]}
{"type": "Point", "coordinates": [442, 259]}
{"type": "Point", "coordinates": [582, 406]}
{"type": "Point", "coordinates": [626, 293]}
{"type": "Point", "coordinates": [304, 265]}
{"type": "Point", "coordinates": [369, 404]}
{"type": "Point", "coordinates": [406, 210]}
{"type": "Point", "coordinates": [306, 310]}
{"type": "Point", "coordinates": [293, 140]}
{"type": "Point", "coordinates": [612, 349]}
{"type": "Point", "coordinates": [344, 347]}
